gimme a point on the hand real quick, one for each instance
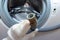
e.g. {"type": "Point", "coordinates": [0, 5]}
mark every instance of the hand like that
{"type": "Point", "coordinates": [18, 31]}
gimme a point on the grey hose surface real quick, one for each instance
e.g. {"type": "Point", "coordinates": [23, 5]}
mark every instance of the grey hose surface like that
{"type": "Point", "coordinates": [46, 29]}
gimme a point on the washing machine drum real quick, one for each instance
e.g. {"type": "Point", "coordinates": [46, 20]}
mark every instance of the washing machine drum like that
{"type": "Point", "coordinates": [13, 11]}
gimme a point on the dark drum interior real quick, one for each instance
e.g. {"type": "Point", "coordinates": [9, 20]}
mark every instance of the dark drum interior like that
{"type": "Point", "coordinates": [36, 4]}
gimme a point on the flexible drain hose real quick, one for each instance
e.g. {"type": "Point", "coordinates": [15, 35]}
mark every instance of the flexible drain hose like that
{"type": "Point", "coordinates": [45, 29]}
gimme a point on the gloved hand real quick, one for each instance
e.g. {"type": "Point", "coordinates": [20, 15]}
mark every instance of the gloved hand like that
{"type": "Point", "coordinates": [18, 31]}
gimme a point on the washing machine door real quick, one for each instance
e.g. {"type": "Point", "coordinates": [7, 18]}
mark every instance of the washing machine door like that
{"type": "Point", "coordinates": [13, 11]}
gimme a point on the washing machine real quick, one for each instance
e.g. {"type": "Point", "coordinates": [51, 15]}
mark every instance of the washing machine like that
{"type": "Point", "coordinates": [47, 13]}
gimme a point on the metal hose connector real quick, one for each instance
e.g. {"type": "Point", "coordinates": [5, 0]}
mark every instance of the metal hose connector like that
{"type": "Point", "coordinates": [33, 20]}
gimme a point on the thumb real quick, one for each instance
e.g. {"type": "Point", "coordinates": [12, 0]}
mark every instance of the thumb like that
{"type": "Point", "coordinates": [20, 29]}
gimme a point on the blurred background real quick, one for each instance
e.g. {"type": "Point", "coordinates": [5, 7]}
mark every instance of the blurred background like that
{"type": "Point", "coordinates": [52, 35]}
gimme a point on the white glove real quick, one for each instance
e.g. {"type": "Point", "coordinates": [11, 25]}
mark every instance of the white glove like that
{"type": "Point", "coordinates": [18, 31]}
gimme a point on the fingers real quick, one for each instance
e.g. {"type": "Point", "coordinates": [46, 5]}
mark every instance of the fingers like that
{"type": "Point", "coordinates": [19, 30]}
{"type": "Point", "coordinates": [22, 28]}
